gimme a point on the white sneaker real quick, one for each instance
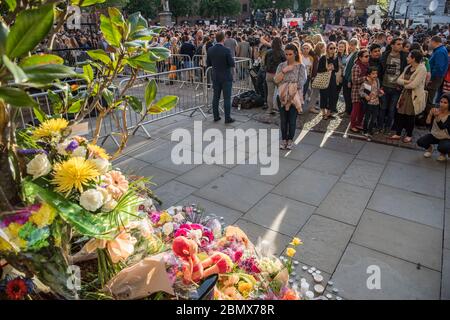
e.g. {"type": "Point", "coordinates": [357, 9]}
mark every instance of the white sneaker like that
{"type": "Point", "coordinates": [283, 145]}
{"type": "Point", "coordinates": [427, 154]}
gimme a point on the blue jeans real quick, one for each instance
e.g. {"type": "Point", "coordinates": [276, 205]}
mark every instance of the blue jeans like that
{"type": "Point", "coordinates": [388, 108]}
{"type": "Point", "coordinates": [219, 87]}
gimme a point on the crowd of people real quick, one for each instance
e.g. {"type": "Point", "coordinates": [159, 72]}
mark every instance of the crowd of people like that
{"type": "Point", "coordinates": [390, 81]}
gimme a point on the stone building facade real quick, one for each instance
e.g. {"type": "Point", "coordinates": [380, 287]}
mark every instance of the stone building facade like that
{"type": "Point", "coordinates": [360, 5]}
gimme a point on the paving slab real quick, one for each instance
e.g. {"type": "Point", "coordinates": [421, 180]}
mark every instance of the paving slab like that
{"type": "Point", "coordinates": [413, 178]}
{"type": "Point", "coordinates": [280, 214]}
{"type": "Point", "coordinates": [345, 203]}
{"type": "Point", "coordinates": [363, 173]}
{"type": "Point", "coordinates": [230, 216]}
{"type": "Point", "coordinates": [415, 158]}
{"type": "Point", "coordinates": [447, 229]}
{"type": "Point", "coordinates": [236, 192]}
{"type": "Point", "coordinates": [256, 233]}
{"type": "Point", "coordinates": [153, 154]}
{"type": "Point", "coordinates": [202, 175]}
{"type": "Point", "coordinates": [399, 279]}
{"type": "Point", "coordinates": [306, 186]}
{"type": "Point", "coordinates": [324, 242]}
{"type": "Point", "coordinates": [375, 152]}
{"type": "Point", "coordinates": [445, 288]}
{"type": "Point", "coordinates": [329, 161]}
{"type": "Point", "coordinates": [130, 166]}
{"type": "Point", "coordinates": [408, 205]}
{"type": "Point", "coordinates": [300, 153]}
{"type": "Point", "coordinates": [172, 192]}
{"type": "Point", "coordinates": [253, 171]}
{"type": "Point", "coordinates": [346, 145]}
{"type": "Point", "coordinates": [157, 175]}
{"type": "Point", "coordinates": [400, 238]}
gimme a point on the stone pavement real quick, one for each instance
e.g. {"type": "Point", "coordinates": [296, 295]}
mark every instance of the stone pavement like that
{"type": "Point", "coordinates": [354, 204]}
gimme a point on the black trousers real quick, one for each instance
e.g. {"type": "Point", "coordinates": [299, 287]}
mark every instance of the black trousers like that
{"type": "Point", "coordinates": [406, 122]}
{"type": "Point", "coordinates": [428, 140]}
{"type": "Point", "coordinates": [370, 116]}
{"type": "Point", "coordinates": [347, 97]}
{"type": "Point", "coordinates": [288, 121]}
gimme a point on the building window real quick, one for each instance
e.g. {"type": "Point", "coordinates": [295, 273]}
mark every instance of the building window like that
{"type": "Point", "coordinates": [244, 8]}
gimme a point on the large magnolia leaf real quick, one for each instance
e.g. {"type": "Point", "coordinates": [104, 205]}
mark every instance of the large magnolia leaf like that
{"type": "Point", "coordinates": [159, 53]}
{"type": "Point", "coordinates": [167, 103]}
{"type": "Point", "coordinates": [99, 55]}
{"type": "Point", "coordinates": [29, 29]}
{"type": "Point", "coordinates": [49, 72]}
{"type": "Point", "coordinates": [150, 92]}
{"type": "Point", "coordinates": [110, 31]}
{"type": "Point", "coordinates": [16, 97]}
{"type": "Point", "coordinates": [137, 22]}
{"type": "Point", "coordinates": [85, 222]}
{"type": "Point", "coordinates": [16, 71]}
{"type": "Point", "coordinates": [4, 31]}
{"type": "Point", "coordinates": [135, 104]}
{"type": "Point", "coordinates": [86, 3]}
{"type": "Point", "coordinates": [40, 59]}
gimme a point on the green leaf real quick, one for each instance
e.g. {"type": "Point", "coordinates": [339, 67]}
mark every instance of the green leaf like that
{"type": "Point", "coordinates": [16, 71]}
{"type": "Point", "coordinates": [110, 31]}
{"type": "Point", "coordinates": [86, 223]}
{"type": "Point", "coordinates": [135, 104]}
{"type": "Point", "coordinates": [143, 34]}
{"type": "Point", "coordinates": [160, 53]}
{"type": "Point", "coordinates": [167, 103]}
{"type": "Point", "coordinates": [29, 29]}
{"type": "Point", "coordinates": [135, 43]}
{"type": "Point", "coordinates": [137, 22]}
{"type": "Point", "coordinates": [146, 66]}
{"type": "Point", "coordinates": [150, 92]}
{"type": "Point", "coordinates": [49, 72]}
{"type": "Point", "coordinates": [88, 72]}
{"type": "Point", "coordinates": [116, 17]}
{"type": "Point", "coordinates": [16, 97]}
{"type": "Point", "coordinates": [55, 101]}
{"type": "Point", "coordinates": [108, 96]}
{"type": "Point", "coordinates": [39, 114]}
{"type": "Point", "coordinates": [99, 55]}
{"type": "Point", "coordinates": [12, 4]}
{"type": "Point", "coordinates": [75, 107]}
{"type": "Point", "coordinates": [86, 3]}
{"type": "Point", "coordinates": [40, 59]}
{"type": "Point", "coordinates": [4, 31]}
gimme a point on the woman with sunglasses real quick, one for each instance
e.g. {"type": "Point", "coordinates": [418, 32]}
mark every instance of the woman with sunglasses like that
{"type": "Point", "coordinates": [329, 96]}
{"type": "Point", "coordinates": [290, 74]}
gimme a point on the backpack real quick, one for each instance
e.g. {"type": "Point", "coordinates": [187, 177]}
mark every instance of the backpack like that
{"type": "Point", "coordinates": [248, 100]}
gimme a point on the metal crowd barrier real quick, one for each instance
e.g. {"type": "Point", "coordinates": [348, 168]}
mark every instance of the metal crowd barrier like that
{"type": "Point", "coordinates": [193, 86]}
{"type": "Point", "coordinates": [180, 83]}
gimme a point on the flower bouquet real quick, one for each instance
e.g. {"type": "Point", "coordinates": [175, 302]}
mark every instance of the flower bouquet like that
{"type": "Point", "coordinates": [74, 198]}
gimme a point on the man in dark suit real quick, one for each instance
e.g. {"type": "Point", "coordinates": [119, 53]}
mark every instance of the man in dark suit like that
{"type": "Point", "coordinates": [222, 63]}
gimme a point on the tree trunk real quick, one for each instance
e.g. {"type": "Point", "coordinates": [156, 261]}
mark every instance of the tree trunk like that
{"type": "Point", "coordinates": [9, 192]}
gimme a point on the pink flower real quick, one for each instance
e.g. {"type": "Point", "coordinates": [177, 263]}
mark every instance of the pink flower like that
{"type": "Point", "coordinates": [203, 236]}
{"type": "Point", "coordinates": [155, 216]}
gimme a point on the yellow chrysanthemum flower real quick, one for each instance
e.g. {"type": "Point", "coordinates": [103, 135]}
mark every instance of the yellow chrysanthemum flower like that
{"type": "Point", "coordinates": [98, 152]}
{"type": "Point", "coordinates": [50, 128]}
{"type": "Point", "coordinates": [165, 217]}
{"type": "Point", "coordinates": [73, 174]}
{"type": "Point", "coordinates": [44, 216]}
{"type": "Point", "coordinates": [245, 288]}
{"type": "Point", "coordinates": [296, 242]}
{"type": "Point", "coordinates": [13, 230]}
{"type": "Point", "coordinates": [5, 246]}
{"type": "Point", "coordinates": [290, 252]}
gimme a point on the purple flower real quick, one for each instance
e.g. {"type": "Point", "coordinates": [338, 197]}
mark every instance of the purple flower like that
{"type": "Point", "coordinates": [21, 217]}
{"type": "Point", "coordinates": [30, 152]}
{"type": "Point", "coordinates": [72, 146]}
{"type": "Point", "coordinates": [154, 217]}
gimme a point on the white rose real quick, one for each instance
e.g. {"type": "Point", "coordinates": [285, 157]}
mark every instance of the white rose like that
{"type": "Point", "coordinates": [61, 147]}
{"type": "Point", "coordinates": [102, 165]}
{"type": "Point", "coordinates": [105, 194]}
{"type": "Point", "coordinates": [79, 152]}
{"type": "Point", "coordinates": [39, 166]}
{"type": "Point", "coordinates": [178, 218]}
{"type": "Point", "coordinates": [91, 200]}
{"type": "Point", "coordinates": [109, 206]}
{"type": "Point", "coordinates": [167, 229]}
